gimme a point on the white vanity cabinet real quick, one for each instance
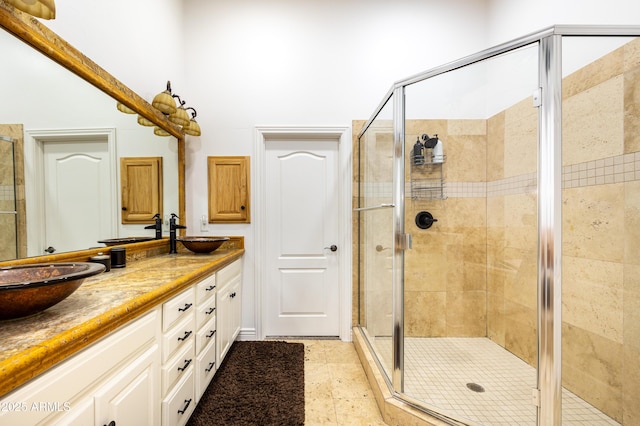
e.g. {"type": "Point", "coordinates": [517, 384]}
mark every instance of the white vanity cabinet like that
{"type": "Point", "coordinates": [189, 342]}
{"type": "Point", "coordinates": [115, 379]}
{"type": "Point", "coordinates": [206, 322]}
{"type": "Point", "coordinates": [178, 357]}
{"type": "Point", "coordinates": [229, 305]}
{"type": "Point", "coordinates": [151, 371]}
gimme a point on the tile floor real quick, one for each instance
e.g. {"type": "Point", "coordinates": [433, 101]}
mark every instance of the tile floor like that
{"type": "Point", "coordinates": [438, 370]}
{"type": "Point", "coordinates": [336, 388]}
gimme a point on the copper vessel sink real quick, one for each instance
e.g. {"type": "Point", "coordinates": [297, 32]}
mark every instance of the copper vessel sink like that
{"type": "Point", "coordinates": [202, 244]}
{"type": "Point", "coordinates": [124, 240]}
{"type": "Point", "coordinates": [29, 289]}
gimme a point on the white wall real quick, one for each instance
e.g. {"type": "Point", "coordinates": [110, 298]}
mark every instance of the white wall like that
{"type": "Point", "coordinates": [289, 62]}
{"type": "Point", "coordinates": [139, 42]}
{"type": "Point", "coordinates": [510, 19]}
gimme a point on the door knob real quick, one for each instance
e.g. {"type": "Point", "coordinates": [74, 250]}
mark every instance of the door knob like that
{"type": "Point", "coordinates": [332, 248]}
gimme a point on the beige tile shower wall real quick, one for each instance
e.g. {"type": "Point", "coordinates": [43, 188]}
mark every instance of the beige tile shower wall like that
{"type": "Point", "coordinates": [601, 241]}
{"type": "Point", "coordinates": [512, 230]}
{"type": "Point", "coordinates": [631, 268]}
{"type": "Point", "coordinates": [445, 272]}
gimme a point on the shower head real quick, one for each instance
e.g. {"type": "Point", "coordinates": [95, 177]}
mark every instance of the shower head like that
{"type": "Point", "coordinates": [429, 142]}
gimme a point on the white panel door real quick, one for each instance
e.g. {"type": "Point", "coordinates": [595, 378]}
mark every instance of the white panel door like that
{"type": "Point", "coordinates": [77, 192]}
{"type": "Point", "coordinates": [302, 285]}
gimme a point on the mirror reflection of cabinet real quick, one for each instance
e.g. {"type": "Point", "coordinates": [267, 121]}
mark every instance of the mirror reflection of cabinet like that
{"type": "Point", "coordinates": [229, 189]}
{"type": "Point", "coordinates": [141, 188]}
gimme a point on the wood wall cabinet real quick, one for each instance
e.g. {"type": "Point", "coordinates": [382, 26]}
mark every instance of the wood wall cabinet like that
{"type": "Point", "coordinates": [140, 188]}
{"type": "Point", "coordinates": [229, 189]}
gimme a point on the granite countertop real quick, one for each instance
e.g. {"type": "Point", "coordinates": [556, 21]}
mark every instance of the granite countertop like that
{"type": "Point", "coordinates": [31, 345]}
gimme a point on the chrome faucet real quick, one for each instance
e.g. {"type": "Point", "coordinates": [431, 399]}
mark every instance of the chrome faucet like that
{"type": "Point", "coordinates": [157, 226]}
{"type": "Point", "coordinates": [172, 232]}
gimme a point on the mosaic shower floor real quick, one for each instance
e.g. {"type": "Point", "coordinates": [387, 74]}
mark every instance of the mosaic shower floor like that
{"type": "Point", "coordinates": [444, 371]}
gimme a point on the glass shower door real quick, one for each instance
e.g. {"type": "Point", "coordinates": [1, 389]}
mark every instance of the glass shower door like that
{"type": "Point", "coordinates": [470, 281]}
{"type": "Point", "coordinates": [600, 238]}
{"type": "Point", "coordinates": [374, 211]}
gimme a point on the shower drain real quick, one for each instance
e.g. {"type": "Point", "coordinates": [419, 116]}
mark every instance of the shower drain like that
{"type": "Point", "coordinates": [475, 387]}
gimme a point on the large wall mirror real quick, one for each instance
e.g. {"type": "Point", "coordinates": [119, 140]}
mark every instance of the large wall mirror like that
{"type": "Point", "coordinates": [55, 100]}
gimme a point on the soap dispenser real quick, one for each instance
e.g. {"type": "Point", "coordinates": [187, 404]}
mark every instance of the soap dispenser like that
{"type": "Point", "coordinates": [418, 153]}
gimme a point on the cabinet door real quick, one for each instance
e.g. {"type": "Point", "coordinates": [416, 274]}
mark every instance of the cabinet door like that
{"type": "Point", "coordinates": [141, 188]}
{"type": "Point", "coordinates": [235, 309]}
{"type": "Point", "coordinates": [81, 414]}
{"type": "Point", "coordinates": [229, 189]}
{"type": "Point", "coordinates": [223, 338]}
{"type": "Point", "coordinates": [132, 397]}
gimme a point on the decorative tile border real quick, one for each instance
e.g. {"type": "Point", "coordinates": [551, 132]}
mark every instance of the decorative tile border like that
{"type": "Point", "coordinates": [7, 193]}
{"type": "Point", "coordinates": [617, 169]}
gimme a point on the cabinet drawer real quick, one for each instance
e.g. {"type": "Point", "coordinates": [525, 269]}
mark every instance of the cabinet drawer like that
{"type": "Point", "coordinates": [205, 369]}
{"type": "Point", "coordinates": [179, 336]}
{"type": "Point", "coordinates": [205, 335]}
{"type": "Point", "coordinates": [205, 289]}
{"type": "Point", "coordinates": [227, 273]}
{"type": "Point", "coordinates": [179, 404]}
{"type": "Point", "coordinates": [205, 312]}
{"type": "Point", "coordinates": [176, 308]}
{"type": "Point", "coordinates": [176, 367]}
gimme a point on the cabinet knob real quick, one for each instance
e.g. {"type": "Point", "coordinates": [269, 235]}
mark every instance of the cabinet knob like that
{"type": "Point", "coordinates": [242, 207]}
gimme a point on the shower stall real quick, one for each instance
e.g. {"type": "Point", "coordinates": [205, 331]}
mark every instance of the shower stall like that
{"type": "Point", "coordinates": [498, 273]}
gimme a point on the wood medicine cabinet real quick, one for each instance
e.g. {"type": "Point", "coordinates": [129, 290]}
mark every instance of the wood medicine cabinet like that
{"type": "Point", "coordinates": [228, 189]}
{"type": "Point", "coordinates": [141, 188]}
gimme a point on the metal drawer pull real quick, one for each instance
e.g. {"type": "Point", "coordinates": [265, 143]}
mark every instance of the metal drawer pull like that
{"type": "Point", "coordinates": [186, 364]}
{"type": "Point", "coordinates": [211, 364]}
{"type": "Point", "coordinates": [186, 334]}
{"type": "Point", "coordinates": [210, 288]}
{"type": "Point", "coordinates": [232, 295]}
{"type": "Point", "coordinates": [111, 423]}
{"type": "Point", "coordinates": [186, 306]}
{"type": "Point", "coordinates": [211, 335]}
{"type": "Point", "coordinates": [184, 410]}
{"type": "Point", "coordinates": [210, 311]}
